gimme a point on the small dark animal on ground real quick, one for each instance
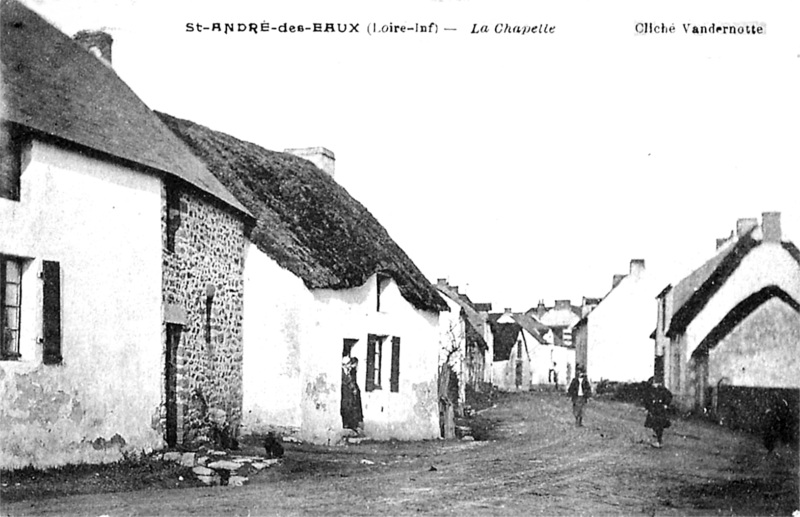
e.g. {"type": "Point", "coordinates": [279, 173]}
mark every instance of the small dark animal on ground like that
{"type": "Point", "coordinates": [273, 446]}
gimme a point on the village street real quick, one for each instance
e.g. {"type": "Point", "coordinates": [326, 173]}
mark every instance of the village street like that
{"type": "Point", "coordinates": [536, 462]}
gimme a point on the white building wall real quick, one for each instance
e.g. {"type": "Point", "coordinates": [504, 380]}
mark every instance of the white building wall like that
{"type": "Point", "coordinates": [293, 342]}
{"type": "Point", "coordinates": [453, 344]}
{"type": "Point", "coordinates": [102, 223]}
{"type": "Point", "coordinates": [278, 317]}
{"type": "Point", "coordinates": [767, 264]}
{"type": "Point", "coordinates": [618, 344]}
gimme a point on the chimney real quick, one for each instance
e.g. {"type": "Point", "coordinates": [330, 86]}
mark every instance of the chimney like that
{"type": "Point", "coordinates": [483, 307]}
{"type": "Point", "coordinates": [441, 282]}
{"type": "Point", "coordinates": [745, 225]}
{"type": "Point", "coordinates": [540, 309]}
{"type": "Point", "coordinates": [321, 157]}
{"type": "Point", "coordinates": [616, 280]}
{"type": "Point", "coordinates": [563, 305]}
{"type": "Point", "coordinates": [637, 267]}
{"type": "Point", "coordinates": [771, 226]}
{"type": "Point", "coordinates": [507, 310]}
{"type": "Point", "coordinates": [97, 42]}
{"type": "Point", "coordinates": [721, 242]}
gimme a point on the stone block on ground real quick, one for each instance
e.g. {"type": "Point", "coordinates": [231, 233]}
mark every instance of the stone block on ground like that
{"type": "Point", "coordinates": [203, 471]}
{"type": "Point", "coordinates": [224, 464]}
{"type": "Point", "coordinates": [237, 481]}
{"type": "Point", "coordinates": [187, 460]}
{"type": "Point", "coordinates": [172, 456]}
{"type": "Point", "coordinates": [209, 480]}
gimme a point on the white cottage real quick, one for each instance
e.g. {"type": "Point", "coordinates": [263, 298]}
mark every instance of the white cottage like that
{"type": "Point", "coordinates": [512, 368]}
{"type": "Point", "coordinates": [83, 175]}
{"type": "Point", "coordinates": [324, 284]}
{"type": "Point", "coordinates": [612, 341]}
{"type": "Point", "coordinates": [734, 323]}
{"type": "Point", "coordinates": [465, 340]}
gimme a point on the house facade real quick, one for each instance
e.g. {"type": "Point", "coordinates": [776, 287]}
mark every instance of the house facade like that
{"type": "Point", "coordinates": [612, 340]}
{"type": "Point", "coordinates": [83, 211]}
{"type": "Point", "coordinates": [511, 368]}
{"type": "Point", "coordinates": [463, 345]}
{"type": "Point", "coordinates": [324, 285]}
{"type": "Point", "coordinates": [733, 323]}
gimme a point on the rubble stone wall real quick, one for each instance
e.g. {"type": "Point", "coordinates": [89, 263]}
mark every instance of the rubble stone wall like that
{"type": "Point", "coordinates": [208, 251]}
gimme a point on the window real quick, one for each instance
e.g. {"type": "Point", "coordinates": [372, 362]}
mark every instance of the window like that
{"type": "Point", "coordinates": [10, 302]}
{"type": "Point", "coordinates": [663, 313]}
{"type": "Point", "coordinates": [374, 356]}
{"type": "Point", "coordinates": [173, 213]}
{"type": "Point", "coordinates": [10, 162]}
{"type": "Point", "coordinates": [383, 282]}
{"type": "Point", "coordinates": [394, 379]}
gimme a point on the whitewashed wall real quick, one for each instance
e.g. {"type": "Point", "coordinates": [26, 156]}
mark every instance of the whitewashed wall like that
{"type": "Point", "coordinates": [102, 223]}
{"type": "Point", "coordinates": [293, 341]}
{"type": "Point", "coordinates": [618, 344]}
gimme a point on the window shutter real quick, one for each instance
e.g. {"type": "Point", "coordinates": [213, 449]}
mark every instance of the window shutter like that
{"type": "Point", "coordinates": [394, 382]}
{"type": "Point", "coordinates": [51, 312]}
{"type": "Point", "coordinates": [370, 383]}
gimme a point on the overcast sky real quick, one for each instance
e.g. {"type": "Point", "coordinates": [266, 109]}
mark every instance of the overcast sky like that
{"type": "Point", "coordinates": [520, 167]}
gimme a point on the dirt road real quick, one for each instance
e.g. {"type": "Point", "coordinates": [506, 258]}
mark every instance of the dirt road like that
{"type": "Point", "coordinates": [537, 463]}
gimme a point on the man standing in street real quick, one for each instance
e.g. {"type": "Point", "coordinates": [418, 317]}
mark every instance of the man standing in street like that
{"type": "Point", "coordinates": [579, 390]}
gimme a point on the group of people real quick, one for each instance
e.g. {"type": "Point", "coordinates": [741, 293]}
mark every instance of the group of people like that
{"type": "Point", "coordinates": [656, 401]}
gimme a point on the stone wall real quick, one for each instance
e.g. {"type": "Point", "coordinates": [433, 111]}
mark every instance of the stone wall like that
{"type": "Point", "coordinates": [208, 251]}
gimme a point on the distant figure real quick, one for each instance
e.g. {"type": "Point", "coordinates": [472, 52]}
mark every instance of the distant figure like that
{"type": "Point", "coordinates": [555, 375]}
{"type": "Point", "coordinates": [657, 401]}
{"type": "Point", "coordinates": [779, 424]}
{"type": "Point", "coordinates": [273, 446]}
{"type": "Point", "coordinates": [352, 414]}
{"type": "Point", "coordinates": [579, 391]}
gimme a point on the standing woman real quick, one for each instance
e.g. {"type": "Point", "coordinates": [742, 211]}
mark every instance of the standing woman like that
{"type": "Point", "coordinates": [657, 401]}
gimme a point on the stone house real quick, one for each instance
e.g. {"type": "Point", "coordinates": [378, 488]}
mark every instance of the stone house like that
{"type": "Point", "coordinates": [465, 340]}
{"type": "Point", "coordinates": [727, 334]}
{"type": "Point", "coordinates": [612, 340]}
{"type": "Point", "coordinates": [112, 237]}
{"type": "Point", "coordinates": [323, 284]}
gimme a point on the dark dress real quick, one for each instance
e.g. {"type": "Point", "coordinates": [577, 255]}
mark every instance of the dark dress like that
{"type": "Point", "coordinates": [352, 415]}
{"type": "Point", "coordinates": [657, 403]}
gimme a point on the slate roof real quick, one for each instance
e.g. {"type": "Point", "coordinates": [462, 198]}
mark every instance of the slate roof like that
{"type": "Point", "coordinates": [534, 327]}
{"type": "Point", "coordinates": [54, 87]}
{"type": "Point", "coordinates": [306, 221]}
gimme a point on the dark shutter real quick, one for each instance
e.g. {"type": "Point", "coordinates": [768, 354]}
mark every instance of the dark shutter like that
{"type": "Point", "coordinates": [370, 383]}
{"type": "Point", "coordinates": [10, 164]}
{"type": "Point", "coordinates": [51, 312]}
{"type": "Point", "coordinates": [394, 381]}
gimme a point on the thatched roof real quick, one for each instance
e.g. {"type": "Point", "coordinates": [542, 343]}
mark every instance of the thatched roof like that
{"type": "Point", "coordinates": [55, 88]}
{"type": "Point", "coordinates": [505, 337]}
{"type": "Point", "coordinates": [695, 291]}
{"type": "Point", "coordinates": [307, 222]}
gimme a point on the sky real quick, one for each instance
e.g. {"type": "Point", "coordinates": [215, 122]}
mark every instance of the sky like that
{"type": "Point", "coordinates": [519, 167]}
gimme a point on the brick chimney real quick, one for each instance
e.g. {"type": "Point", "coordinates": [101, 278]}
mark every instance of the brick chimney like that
{"type": "Point", "coordinates": [323, 158]}
{"type": "Point", "coordinates": [97, 42]}
{"type": "Point", "coordinates": [771, 226]}
{"type": "Point", "coordinates": [637, 267]}
{"type": "Point", "coordinates": [616, 280]}
{"type": "Point", "coordinates": [744, 225]}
